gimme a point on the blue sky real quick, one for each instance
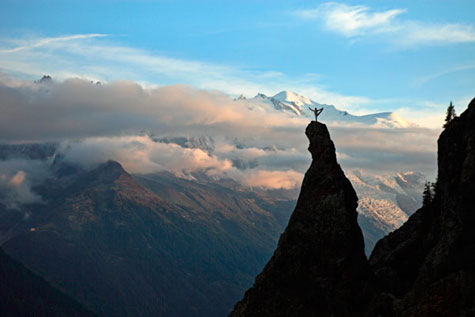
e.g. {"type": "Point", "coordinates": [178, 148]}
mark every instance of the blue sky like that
{"type": "Point", "coordinates": [363, 56]}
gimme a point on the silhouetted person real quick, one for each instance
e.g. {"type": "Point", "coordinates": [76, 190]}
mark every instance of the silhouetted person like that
{"type": "Point", "coordinates": [317, 112]}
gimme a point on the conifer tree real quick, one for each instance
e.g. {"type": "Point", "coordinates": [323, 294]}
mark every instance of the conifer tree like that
{"type": "Point", "coordinates": [427, 195]}
{"type": "Point", "coordinates": [450, 114]}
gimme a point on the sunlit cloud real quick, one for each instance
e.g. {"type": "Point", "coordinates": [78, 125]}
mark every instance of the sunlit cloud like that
{"type": "Point", "coordinates": [360, 21]}
{"type": "Point", "coordinates": [136, 126]}
{"type": "Point", "coordinates": [351, 20]}
{"type": "Point", "coordinates": [16, 178]}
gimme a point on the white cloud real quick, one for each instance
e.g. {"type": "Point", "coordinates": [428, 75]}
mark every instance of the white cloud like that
{"type": "Point", "coordinates": [351, 20]}
{"type": "Point", "coordinates": [361, 21]}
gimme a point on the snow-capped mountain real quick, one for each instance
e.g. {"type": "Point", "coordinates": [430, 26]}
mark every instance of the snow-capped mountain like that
{"type": "Point", "coordinates": [385, 202]}
{"type": "Point", "coordinates": [295, 104]}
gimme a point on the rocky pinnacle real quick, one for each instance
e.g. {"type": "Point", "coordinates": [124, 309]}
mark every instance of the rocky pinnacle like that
{"type": "Point", "coordinates": [319, 264]}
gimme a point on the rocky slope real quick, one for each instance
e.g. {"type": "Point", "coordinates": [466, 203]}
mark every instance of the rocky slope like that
{"type": "Point", "coordinates": [425, 268]}
{"type": "Point", "coordinates": [319, 264]}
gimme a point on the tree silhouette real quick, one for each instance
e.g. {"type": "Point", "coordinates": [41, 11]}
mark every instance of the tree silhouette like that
{"type": "Point", "coordinates": [450, 114]}
{"type": "Point", "coordinates": [427, 194]}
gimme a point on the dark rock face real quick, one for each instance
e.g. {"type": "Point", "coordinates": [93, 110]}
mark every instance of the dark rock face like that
{"type": "Point", "coordinates": [429, 263]}
{"type": "Point", "coordinates": [425, 268]}
{"type": "Point", "coordinates": [319, 264]}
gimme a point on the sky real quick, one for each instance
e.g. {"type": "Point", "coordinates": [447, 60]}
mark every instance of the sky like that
{"type": "Point", "coordinates": [171, 69]}
{"type": "Point", "coordinates": [412, 57]}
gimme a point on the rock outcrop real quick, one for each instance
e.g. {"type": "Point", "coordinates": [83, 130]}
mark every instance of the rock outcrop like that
{"type": "Point", "coordinates": [429, 263]}
{"type": "Point", "coordinates": [425, 268]}
{"type": "Point", "coordinates": [319, 264]}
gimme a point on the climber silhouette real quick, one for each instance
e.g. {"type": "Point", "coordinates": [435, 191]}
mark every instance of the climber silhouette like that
{"type": "Point", "coordinates": [317, 112]}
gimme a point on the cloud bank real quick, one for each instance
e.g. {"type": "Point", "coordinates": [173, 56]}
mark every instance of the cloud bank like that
{"type": "Point", "coordinates": [136, 126]}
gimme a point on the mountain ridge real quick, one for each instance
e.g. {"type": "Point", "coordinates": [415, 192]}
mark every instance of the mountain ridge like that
{"type": "Point", "coordinates": [100, 232]}
{"type": "Point", "coordinates": [295, 104]}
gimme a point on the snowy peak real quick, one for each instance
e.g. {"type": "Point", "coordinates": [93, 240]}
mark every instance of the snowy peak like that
{"type": "Point", "coordinates": [294, 98]}
{"type": "Point", "coordinates": [297, 105]}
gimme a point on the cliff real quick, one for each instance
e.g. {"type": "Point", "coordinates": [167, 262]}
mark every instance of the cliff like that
{"type": "Point", "coordinates": [319, 264]}
{"type": "Point", "coordinates": [429, 263]}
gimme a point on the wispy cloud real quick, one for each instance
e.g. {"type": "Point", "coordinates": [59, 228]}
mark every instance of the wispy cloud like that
{"type": "Point", "coordinates": [36, 43]}
{"type": "Point", "coordinates": [424, 79]}
{"type": "Point", "coordinates": [351, 20]}
{"type": "Point", "coordinates": [87, 56]}
{"type": "Point", "coordinates": [361, 21]}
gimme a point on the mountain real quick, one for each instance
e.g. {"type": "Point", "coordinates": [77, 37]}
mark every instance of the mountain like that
{"type": "Point", "coordinates": [23, 293]}
{"type": "Point", "coordinates": [424, 268]}
{"type": "Point", "coordinates": [174, 249]}
{"type": "Point", "coordinates": [298, 105]}
{"type": "Point", "coordinates": [385, 202]}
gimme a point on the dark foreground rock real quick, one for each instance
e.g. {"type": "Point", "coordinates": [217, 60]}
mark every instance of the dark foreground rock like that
{"type": "Point", "coordinates": [429, 263]}
{"type": "Point", "coordinates": [425, 268]}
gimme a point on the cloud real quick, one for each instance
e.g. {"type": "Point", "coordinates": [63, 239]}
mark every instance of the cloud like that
{"type": "Point", "coordinates": [36, 43]}
{"type": "Point", "coordinates": [136, 126]}
{"type": "Point", "coordinates": [361, 21]}
{"type": "Point", "coordinates": [351, 20]}
{"type": "Point", "coordinates": [383, 151]}
{"type": "Point", "coordinates": [274, 179]}
{"type": "Point", "coordinates": [142, 155]}
{"type": "Point", "coordinates": [90, 56]}
{"type": "Point", "coordinates": [78, 109]}
{"type": "Point", "coordinates": [422, 80]}
{"type": "Point", "coordinates": [16, 178]}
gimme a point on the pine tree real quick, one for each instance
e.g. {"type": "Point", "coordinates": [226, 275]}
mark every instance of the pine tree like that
{"type": "Point", "coordinates": [427, 195]}
{"type": "Point", "coordinates": [450, 114]}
